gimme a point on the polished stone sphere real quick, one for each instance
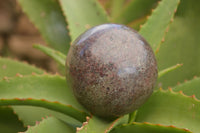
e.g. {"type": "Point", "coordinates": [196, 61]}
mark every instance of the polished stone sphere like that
{"type": "Point", "coordinates": [111, 69]}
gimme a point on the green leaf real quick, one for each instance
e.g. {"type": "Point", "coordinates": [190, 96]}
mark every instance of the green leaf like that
{"type": "Point", "coordinates": [167, 70]}
{"type": "Point", "coordinates": [132, 117]}
{"type": "Point", "coordinates": [9, 68]}
{"type": "Point", "coordinates": [97, 125]}
{"type": "Point", "coordinates": [116, 7]}
{"type": "Point", "coordinates": [50, 125]}
{"type": "Point", "coordinates": [182, 45]}
{"type": "Point", "coordinates": [189, 88]}
{"type": "Point", "coordinates": [47, 91]}
{"type": "Point", "coordinates": [171, 108]}
{"type": "Point", "coordinates": [106, 4]}
{"type": "Point", "coordinates": [56, 106]}
{"type": "Point", "coordinates": [154, 29]}
{"type": "Point", "coordinates": [48, 18]}
{"type": "Point", "coordinates": [147, 128]}
{"type": "Point", "coordinates": [56, 55]}
{"type": "Point", "coordinates": [82, 14]}
{"type": "Point", "coordinates": [136, 9]}
{"type": "Point", "coordinates": [9, 122]}
{"type": "Point", "coordinates": [37, 113]}
{"type": "Point", "coordinates": [137, 24]}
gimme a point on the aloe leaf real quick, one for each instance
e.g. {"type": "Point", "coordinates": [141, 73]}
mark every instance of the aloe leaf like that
{"type": "Point", "coordinates": [82, 15]}
{"type": "Point", "coordinates": [137, 24]}
{"type": "Point", "coordinates": [9, 122]}
{"type": "Point", "coordinates": [181, 45]}
{"type": "Point", "coordinates": [154, 29]}
{"type": "Point", "coordinates": [189, 88]}
{"type": "Point", "coordinates": [171, 108]}
{"type": "Point", "coordinates": [116, 7]}
{"type": "Point", "coordinates": [132, 117]}
{"type": "Point", "coordinates": [169, 69]}
{"type": "Point", "coordinates": [134, 10]}
{"type": "Point", "coordinates": [56, 106]}
{"type": "Point", "coordinates": [56, 55]}
{"type": "Point", "coordinates": [147, 128]}
{"type": "Point", "coordinates": [47, 91]}
{"type": "Point", "coordinates": [50, 125]}
{"type": "Point", "coordinates": [48, 18]}
{"type": "Point", "coordinates": [106, 4]}
{"type": "Point", "coordinates": [99, 125]}
{"type": "Point", "coordinates": [37, 113]}
{"type": "Point", "coordinates": [9, 68]}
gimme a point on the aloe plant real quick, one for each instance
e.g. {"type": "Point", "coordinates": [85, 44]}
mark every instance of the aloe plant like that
{"type": "Point", "coordinates": [32, 100]}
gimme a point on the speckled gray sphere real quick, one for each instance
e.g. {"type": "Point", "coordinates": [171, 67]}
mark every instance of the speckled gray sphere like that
{"type": "Point", "coordinates": [112, 70]}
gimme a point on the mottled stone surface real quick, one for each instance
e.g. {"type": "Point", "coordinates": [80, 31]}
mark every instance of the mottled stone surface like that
{"type": "Point", "coordinates": [112, 70]}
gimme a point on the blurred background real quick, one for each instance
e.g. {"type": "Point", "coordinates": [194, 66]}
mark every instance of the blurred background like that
{"type": "Point", "coordinates": [18, 34]}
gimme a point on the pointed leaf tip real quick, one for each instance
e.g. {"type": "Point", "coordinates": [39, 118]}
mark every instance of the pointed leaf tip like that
{"type": "Point", "coordinates": [190, 87]}
{"type": "Point", "coordinates": [56, 55]}
{"type": "Point", "coordinates": [167, 70]}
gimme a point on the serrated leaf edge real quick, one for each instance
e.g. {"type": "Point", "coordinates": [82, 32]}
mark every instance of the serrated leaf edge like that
{"type": "Point", "coordinates": [106, 130]}
{"type": "Point", "coordinates": [166, 30]}
{"type": "Point", "coordinates": [53, 105]}
{"type": "Point", "coordinates": [186, 81]}
{"type": "Point", "coordinates": [151, 124]}
{"type": "Point", "coordinates": [112, 125]}
{"type": "Point", "coordinates": [33, 74]}
{"type": "Point", "coordinates": [18, 118]}
{"type": "Point", "coordinates": [84, 124]}
{"type": "Point", "coordinates": [170, 90]}
{"type": "Point", "coordinates": [36, 124]}
{"type": "Point", "coordinates": [22, 100]}
{"type": "Point", "coordinates": [24, 63]}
